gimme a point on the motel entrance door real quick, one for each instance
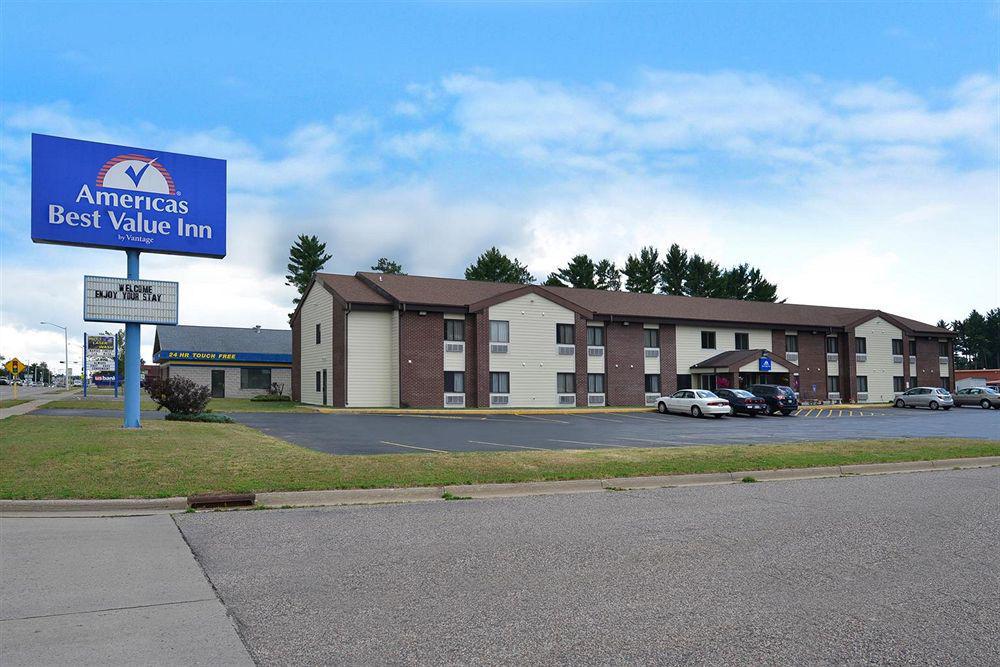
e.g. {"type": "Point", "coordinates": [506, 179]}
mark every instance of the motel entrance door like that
{"type": "Point", "coordinates": [218, 384]}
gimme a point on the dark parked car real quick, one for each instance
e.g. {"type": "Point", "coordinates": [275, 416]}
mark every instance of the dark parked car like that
{"type": "Point", "coordinates": [984, 397]}
{"type": "Point", "coordinates": [741, 400]}
{"type": "Point", "coordinates": [777, 397]}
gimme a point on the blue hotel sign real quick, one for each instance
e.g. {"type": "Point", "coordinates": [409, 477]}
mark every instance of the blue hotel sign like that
{"type": "Point", "coordinates": [764, 364]}
{"type": "Point", "coordinates": [104, 196]}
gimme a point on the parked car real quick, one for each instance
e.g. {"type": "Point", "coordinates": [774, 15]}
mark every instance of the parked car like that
{"type": "Point", "coordinates": [984, 397]}
{"type": "Point", "coordinates": [778, 398]}
{"type": "Point", "coordinates": [695, 402]}
{"type": "Point", "coordinates": [77, 382]}
{"type": "Point", "coordinates": [742, 401]}
{"type": "Point", "coordinates": [4, 381]}
{"type": "Point", "coordinates": [925, 397]}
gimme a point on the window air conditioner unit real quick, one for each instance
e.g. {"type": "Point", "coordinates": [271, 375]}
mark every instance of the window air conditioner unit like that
{"type": "Point", "coordinates": [567, 399]}
{"type": "Point", "coordinates": [499, 399]}
{"type": "Point", "coordinates": [499, 348]}
{"type": "Point", "coordinates": [862, 396]}
{"type": "Point", "coordinates": [897, 358]}
{"type": "Point", "coordinates": [651, 399]}
{"type": "Point", "coordinates": [566, 349]}
{"type": "Point", "coordinates": [942, 361]}
{"type": "Point", "coordinates": [454, 400]}
{"type": "Point", "coordinates": [454, 347]}
{"type": "Point", "coordinates": [792, 357]}
{"type": "Point", "coordinates": [595, 351]}
{"type": "Point", "coordinates": [652, 352]}
{"type": "Point", "coordinates": [834, 396]}
{"type": "Point", "coordinates": [860, 356]}
{"type": "Point", "coordinates": [832, 356]}
{"type": "Point", "coordinates": [595, 399]}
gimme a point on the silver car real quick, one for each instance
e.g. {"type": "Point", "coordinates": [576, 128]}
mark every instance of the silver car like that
{"type": "Point", "coordinates": [984, 397]}
{"type": "Point", "coordinates": [925, 397]}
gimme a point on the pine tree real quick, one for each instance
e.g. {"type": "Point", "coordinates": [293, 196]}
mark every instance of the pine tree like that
{"type": "Point", "coordinates": [673, 271]}
{"type": "Point", "coordinates": [759, 289]}
{"type": "Point", "coordinates": [386, 265]}
{"type": "Point", "coordinates": [703, 277]}
{"type": "Point", "coordinates": [642, 273]}
{"type": "Point", "coordinates": [494, 266]}
{"type": "Point", "coordinates": [553, 281]}
{"type": "Point", "coordinates": [608, 276]}
{"type": "Point", "coordinates": [306, 256]}
{"type": "Point", "coordinates": [580, 273]}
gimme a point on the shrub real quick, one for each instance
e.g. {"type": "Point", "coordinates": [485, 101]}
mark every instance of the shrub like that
{"type": "Point", "coordinates": [271, 397]}
{"type": "Point", "coordinates": [211, 417]}
{"type": "Point", "coordinates": [179, 395]}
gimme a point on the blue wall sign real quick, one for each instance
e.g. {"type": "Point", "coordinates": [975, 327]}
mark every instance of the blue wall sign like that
{"type": "Point", "coordinates": [764, 364]}
{"type": "Point", "coordinates": [180, 356]}
{"type": "Point", "coordinates": [89, 194]}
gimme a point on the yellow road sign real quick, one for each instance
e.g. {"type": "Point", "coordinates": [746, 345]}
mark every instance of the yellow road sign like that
{"type": "Point", "coordinates": [15, 366]}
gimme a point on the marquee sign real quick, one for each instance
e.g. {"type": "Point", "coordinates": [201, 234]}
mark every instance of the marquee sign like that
{"type": "Point", "coordinates": [100, 354]}
{"type": "Point", "coordinates": [132, 301]}
{"type": "Point", "coordinates": [104, 196]}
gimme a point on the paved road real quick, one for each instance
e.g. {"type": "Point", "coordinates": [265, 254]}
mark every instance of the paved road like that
{"type": "Point", "coordinates": [107, 591]}
{"type": "Point", "coordinates": [380, 434]}
{"type": "Point", "coordinates": [900, 568]}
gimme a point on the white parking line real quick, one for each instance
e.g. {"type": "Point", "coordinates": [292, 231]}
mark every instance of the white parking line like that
{"type": "Point", "coordinates": [426, 449]}
{"type": "Point", "coordinates": [601, 419]}
{"type": "Point", "coordinates": [640, 439]}
{"type": "Point", "coordinates": [544, 419]}
{"type": "Point", "coordinates": [596, 444]}
{"type": "Point", "coordinates": [502, 444]}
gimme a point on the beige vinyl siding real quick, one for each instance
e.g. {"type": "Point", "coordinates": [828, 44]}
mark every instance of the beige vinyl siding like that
{"type": "Point", "coordinates": [532, 360]}
{"type": "Point", "coordinates": [878, 367]}
{"type": "Point", "coordinates": [394, 359]}
{"type": "Point", "coordinates": [317, 308]}
{"type": "Point", "coordinates": [369, 359]}
{"type": "Point", "coordinates": [689, 350]}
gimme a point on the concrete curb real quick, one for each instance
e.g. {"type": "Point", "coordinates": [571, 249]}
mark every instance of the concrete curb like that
{"type": "Point", "coordinates": [280, 499]}
{"type": "Point", "coordinates": [458, 412]}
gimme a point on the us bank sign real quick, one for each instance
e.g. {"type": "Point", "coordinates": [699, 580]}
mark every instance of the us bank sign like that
{"type": "Point", "coordinates": [104, 196]}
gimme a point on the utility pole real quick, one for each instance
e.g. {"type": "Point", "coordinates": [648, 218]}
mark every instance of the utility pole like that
{"type": "Point", "coordinates": [66, 347]}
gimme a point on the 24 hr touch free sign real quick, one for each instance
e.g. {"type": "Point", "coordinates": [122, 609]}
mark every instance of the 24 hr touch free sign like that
{"type": "Point", "coordinates": [99, 195]}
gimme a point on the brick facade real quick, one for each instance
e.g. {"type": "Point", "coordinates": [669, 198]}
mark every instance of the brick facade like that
{"type": "Point", "coordinates": [778, 342]}
{"type": "Point", "coordinates": [668, 359]}
{"type": "Point", "coordinates": [848, 366]}
{"type": "Point", "coordinates": [624, 364]}
{"type": "Point", "coordinates": [338, 381]}
{"type": "Point", "coordinates": [928, 370]}
{"type": "Point", "coordinates": [421, 359]}
{"type": "Point", "coordinates": [812, 366]}
{"type": "Point", "coordinates": [296, 379]}
{"type": "Point", "coordinates": [580, 341]}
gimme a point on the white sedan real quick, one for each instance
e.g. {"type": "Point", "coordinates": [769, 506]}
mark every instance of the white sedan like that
{"type": "Point", "coordinates": [695, 402]}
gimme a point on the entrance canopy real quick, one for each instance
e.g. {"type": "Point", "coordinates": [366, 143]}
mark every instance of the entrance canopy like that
{"type": "Point", "coordinates": [744, 361]}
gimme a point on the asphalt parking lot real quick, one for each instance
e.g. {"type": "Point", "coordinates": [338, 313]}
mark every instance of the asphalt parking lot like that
{"type": "Point", "coordinates": [855, 570]}
{"type": "Point", "coordinates": [389, 433]}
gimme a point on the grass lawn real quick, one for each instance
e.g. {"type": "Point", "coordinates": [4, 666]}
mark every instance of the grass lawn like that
{"type": "Point", "coordinates": [11, 402]}
{"type": "Point", "coordinates": [215, 405]}
{"type": "Point", "coordinates": [90, 457]}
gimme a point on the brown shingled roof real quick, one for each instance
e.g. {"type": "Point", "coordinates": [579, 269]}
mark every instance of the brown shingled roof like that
{"type": "Point", "coordinates": [436, 291]}
{"type": "Point", "coordinates": [352, 289]}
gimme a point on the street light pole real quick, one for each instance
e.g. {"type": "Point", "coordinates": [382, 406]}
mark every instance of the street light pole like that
{"type": "Point", "coordinates": [66, 345]}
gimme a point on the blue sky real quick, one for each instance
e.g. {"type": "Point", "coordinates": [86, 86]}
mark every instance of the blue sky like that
{"type": "Point", "coordinates": [834, 145]}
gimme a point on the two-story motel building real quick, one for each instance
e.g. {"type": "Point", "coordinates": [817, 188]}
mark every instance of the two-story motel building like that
{"type": "Point", "coordinates": [372, 340]}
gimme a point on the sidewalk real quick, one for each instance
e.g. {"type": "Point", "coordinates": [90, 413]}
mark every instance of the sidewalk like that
{"type": "Point", "coordinates": [34, 404]}
{"type": "Point", "coordinates": [118, 590]}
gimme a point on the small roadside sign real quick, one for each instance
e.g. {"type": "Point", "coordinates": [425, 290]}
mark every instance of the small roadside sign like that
{"type": "Point", "coordinates": [15, 366]}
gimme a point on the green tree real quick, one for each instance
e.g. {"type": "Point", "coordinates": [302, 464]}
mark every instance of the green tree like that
{"type": "Point", "coordinates": [494, 266]}
{"type": "Point", "coordinates": [386, 265]}
{"type": "Point", "coordinates": [642, 273]}
{"type": "Point", "coordinates": [553, 281]}
{"type": "Point", "coordinates": [608, 276]}
{"type": "Point", "coordinates": [579, 273]}
{"type": "Point", "coordinates": [759, 289]}
{"type": "Point", "coordinates": [673, 271]}
{"type": "Point", "coordinates": [703, 278]}
{"type": "Point", "coordinates": [306, 256]}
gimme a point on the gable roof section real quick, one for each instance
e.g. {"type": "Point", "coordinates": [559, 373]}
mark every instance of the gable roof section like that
{"type": "Point", "coordinates": [389, 289]}
{"type": "Point", "coordinates": [736, 359]}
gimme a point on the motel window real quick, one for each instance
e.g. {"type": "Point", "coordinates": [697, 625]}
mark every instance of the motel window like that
{"type": "Point", "coordinates": [708, 340]}
{"type": "Point", "coordinates": [683, 382]}
{"type": "Point", "coordinates": [945, 383]}
{"type": "Point", "coordinates": [913, 347]}
{"type": "Point", "coordinates": [499, 331]}
{"type": "Point", "coordinates": [454, 330]}
{"type": "Point", "coordinates": [653, 384]}
{"type": "Point", "coordinates": [898, 384]}
{"type": "Point", "coordinates": [832, 345]}
{"type": "Point", "coordinates": [255, 378]}
{"type": "Point", "coordinates": [913, 381]}
{"type": "Point", "coordinates": [454, 382]}
{"type": "Point", "coordinates": [832, 384]}
{"type": "Point", "coordinates": [861, 345]}
{"type": "Point", "coordinates": [565, 383]}
{"type": "Point", "coordinates": [499, 383]}
{"type": "Point", "coordinates": [897, 346]}
{"type": "Point", "coordinates": [565, 334]}
{"type": "Point", "coordinates": [742, 341]}
{"type": "Point", "coordinates": [791, 343]}
{"type": "Point", "coordinates": [595, 383]}
{"type": "Point", "coordinates": [652, 337]}
{"type": "Point", "coordinates": [319, 382]}
{"type": "Point", "coordinates": [942, 349]}
{"type": "Point", "coordinates": [595, 336]}
{"type": "Point", "coordinates": [317, 333]}
{"type": "Point", "coordinates": [863, 384]}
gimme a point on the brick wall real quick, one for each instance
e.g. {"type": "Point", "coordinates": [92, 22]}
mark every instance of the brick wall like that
{"type": "Point", "coordinates": [473, 340]}
{"type": "Point", "coordinates": [907, 371]}
{"type": "Point", "coordinates": [421, 360]}
{"type": "Point", "coordinates": [296, 380]}
{"type": "Point", "coordinates": [928, 371]}
{"type": "Point", "coordinates": [580, 341]}
{"type": "Point", "coordinates": [203, 375]}
{"type": "Point", "coordinates": [668, 359]}
{"type": "Point", "coordinates": [778, 342]}
{"type": "Point", "coordinates": [481, 361]}
{"type": "Point", "coordinates": [624, 364]}
{"type": "Point", "coordinates": [812, 365]}
{"type": "Point", "coordinates": [848, 367]}
{"type": "Point", "coordinates": [337, 383]}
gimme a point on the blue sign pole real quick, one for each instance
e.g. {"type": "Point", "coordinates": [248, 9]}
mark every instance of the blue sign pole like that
{"type": "Point", "coordinates": [85, 364]}
{"type": "Point", "coordinates": [132, 370]}
{"type": "Point", "coordinates": [116, 365]}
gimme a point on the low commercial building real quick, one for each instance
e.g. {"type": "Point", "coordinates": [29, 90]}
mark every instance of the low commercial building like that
{"type": "Point", "coordinates": [372, 339]}
{"type": "Point", "coordinates": [232, 362]}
